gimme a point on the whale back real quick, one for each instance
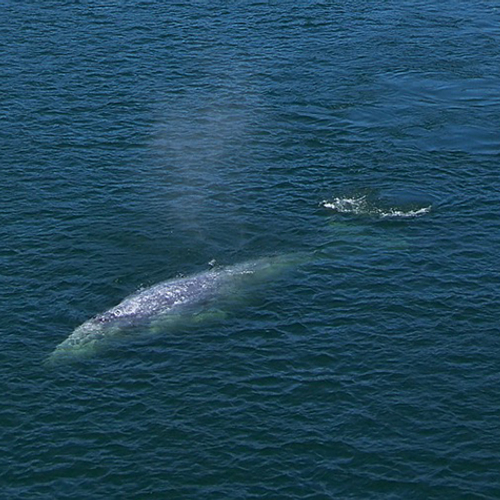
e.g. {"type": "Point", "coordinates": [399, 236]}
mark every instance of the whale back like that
{"type": "Point", "coordinates": [174, 298]}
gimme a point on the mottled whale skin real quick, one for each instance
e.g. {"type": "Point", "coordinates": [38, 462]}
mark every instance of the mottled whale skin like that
{"type": "Point", "coordinates": [172, 299]}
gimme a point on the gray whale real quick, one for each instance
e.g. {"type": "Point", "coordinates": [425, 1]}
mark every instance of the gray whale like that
{"type": "Point", "coordinates": [171, 301]}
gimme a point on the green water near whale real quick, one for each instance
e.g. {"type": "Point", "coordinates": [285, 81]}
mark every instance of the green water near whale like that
{"type": "Point", "coordinates": [139, 141]}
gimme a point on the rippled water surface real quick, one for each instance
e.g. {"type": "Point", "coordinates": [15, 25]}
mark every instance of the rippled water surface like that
{"type": "Point", "coordinates": [143, 141]}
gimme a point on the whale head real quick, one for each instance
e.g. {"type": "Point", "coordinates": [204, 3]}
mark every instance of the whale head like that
{"type": "Point", "coordinates": [82, 343]}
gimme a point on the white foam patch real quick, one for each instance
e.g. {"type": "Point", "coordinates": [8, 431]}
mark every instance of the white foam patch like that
{"type": "Point", "coordinates": [361, 206]}
{"type": "Point", "coordinates": [408, 213]}
{"type": "Point", "coordinates": [347, 205]}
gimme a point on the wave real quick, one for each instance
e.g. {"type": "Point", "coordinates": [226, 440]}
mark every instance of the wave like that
{"type": "Point", "coordinates": [361, 205]}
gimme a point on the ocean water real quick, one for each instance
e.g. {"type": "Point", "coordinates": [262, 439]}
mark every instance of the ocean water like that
{"type": "Point", "coordinates": [142, 141]}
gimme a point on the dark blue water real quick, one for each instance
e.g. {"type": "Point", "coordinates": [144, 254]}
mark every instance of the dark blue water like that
{"type": "Point", "coordinates": [139, 141]}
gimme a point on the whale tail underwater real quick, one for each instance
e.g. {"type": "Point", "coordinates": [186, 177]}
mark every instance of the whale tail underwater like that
{"type": "Point", "coordinates": [173, 302]}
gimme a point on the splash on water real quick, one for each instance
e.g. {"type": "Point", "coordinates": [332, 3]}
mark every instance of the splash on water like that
{"type": "Point", "coordinates": [362, 205]}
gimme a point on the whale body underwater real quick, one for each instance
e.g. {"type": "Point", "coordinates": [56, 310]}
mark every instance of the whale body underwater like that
{"type": "Point", "coordinates": [170, 302]}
